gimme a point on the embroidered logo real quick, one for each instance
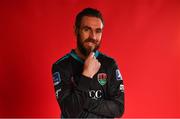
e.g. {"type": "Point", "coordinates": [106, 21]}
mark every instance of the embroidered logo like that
{"type": "Point", "coordinates": [56, 78]}
{"type": "Point", "coordinates": [102, 78]}
{"type": "Point", "coordinates": [118, 75]}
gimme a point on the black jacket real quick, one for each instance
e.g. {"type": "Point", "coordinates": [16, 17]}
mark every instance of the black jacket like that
{"type": "Point", "coordinates": [80, 96]}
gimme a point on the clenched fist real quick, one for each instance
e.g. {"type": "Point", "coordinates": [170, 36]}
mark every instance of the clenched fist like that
{"type": "Point", "coordinates": [91, 66]}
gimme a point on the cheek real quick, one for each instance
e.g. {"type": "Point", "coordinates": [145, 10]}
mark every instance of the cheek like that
{"type": "Point", "coordinates": [99, 38]}
{"type": "Point", "coordinates": [84, 36]}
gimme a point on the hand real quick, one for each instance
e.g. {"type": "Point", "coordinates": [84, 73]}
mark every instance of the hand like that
{"type": "Point", "coordinates": [91, 66]}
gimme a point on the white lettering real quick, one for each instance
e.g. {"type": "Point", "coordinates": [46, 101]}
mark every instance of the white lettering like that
{"type": "Point", "coordinates": [95, 94]}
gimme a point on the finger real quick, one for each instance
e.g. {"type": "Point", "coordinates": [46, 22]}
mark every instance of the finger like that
{"type": "Point", "coordinates": [92, 54]}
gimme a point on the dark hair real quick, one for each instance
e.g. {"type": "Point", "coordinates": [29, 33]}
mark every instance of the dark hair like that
{"type": "Point", "coordinates": [87, 12]}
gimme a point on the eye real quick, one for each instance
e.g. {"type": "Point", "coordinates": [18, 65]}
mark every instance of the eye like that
{"type": "Point", "coordinates": [86, 29]}
{"type": "Point", "coordinates": [98, 31]}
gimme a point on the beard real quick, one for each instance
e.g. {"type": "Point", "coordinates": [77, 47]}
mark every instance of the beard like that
{"type": "Point", "coordinates": [86, 51]}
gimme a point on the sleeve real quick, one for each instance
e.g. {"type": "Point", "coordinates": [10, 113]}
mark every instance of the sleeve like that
{"type": "Point", "coordinates": [113, 106]}
{"type": "Point", "coordinates": [69, 97]}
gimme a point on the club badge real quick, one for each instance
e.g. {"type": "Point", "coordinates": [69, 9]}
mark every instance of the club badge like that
{"type": "Point", "coordinates": [102, 78]}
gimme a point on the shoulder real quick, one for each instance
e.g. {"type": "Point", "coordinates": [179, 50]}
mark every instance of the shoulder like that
{"type": "Point", "coordinates": [106, 59]}
{"type": "Point", "coordinates": [63, 59]}
{"type": "Point", "coordinates": [63, 62]}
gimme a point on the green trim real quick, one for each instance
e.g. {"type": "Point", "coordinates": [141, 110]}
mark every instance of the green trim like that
{"type": "Point", "coordinates": [75, 56]}
{"type": "Point", "coordinates": [65, 57]}
{"type": "Point", "coordinates": [96, 54]}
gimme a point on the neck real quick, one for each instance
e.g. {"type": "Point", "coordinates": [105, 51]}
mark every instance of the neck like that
{"type": "Point", "coordinates": [80, 54]}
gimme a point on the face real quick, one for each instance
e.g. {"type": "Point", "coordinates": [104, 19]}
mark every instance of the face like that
{"type": "Point", "coordinates": [89, 34]}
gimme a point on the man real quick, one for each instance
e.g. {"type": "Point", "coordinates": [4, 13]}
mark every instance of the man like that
{"type": "Point", "coordinates": [88, 84]}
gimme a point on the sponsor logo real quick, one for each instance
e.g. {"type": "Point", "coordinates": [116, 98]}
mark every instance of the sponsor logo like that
{"type": "Point", "coordinates": [95, 94]}
{"type": "Point", "coordinates": [121, 87]}
{"type": "Point", "coordinates": [102, 78]}
{"type": "Point", "coordinates": [57, 92]}
{"type": "Point", "coordinates": [118, 75]}
{"type": "Point", "coordinates": [56, 78]}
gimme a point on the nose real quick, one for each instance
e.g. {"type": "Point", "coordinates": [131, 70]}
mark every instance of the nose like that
{"type": "Point", "coordinates": [92, 35]}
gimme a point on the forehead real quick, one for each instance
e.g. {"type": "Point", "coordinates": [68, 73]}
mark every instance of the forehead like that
{"type": "Point", "coordinates": [91, 21]}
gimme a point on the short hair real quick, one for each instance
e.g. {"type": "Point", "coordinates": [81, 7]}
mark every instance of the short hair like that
{"type": "Point", "coordinates": [87, 12]}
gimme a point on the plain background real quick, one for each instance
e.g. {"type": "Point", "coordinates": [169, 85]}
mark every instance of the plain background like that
{"type": "Point", "coordinates": [143, 36]}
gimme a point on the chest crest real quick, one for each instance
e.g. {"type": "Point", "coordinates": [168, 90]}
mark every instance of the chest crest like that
{"type": "Point", "coordinates": [102, 78]}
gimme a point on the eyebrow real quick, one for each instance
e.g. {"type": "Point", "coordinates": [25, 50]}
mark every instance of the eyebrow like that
{"type": "Point", "coordinates": [91, 28]}
{"type": "Point", "coordinates": [87, 27]}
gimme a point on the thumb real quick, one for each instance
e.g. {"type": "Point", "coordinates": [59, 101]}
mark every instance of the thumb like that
{"type": "Point", "coordinates": [91, 54]}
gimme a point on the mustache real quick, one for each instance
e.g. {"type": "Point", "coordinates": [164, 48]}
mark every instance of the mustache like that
{"type": "Point", "coordinates": [91, 40]}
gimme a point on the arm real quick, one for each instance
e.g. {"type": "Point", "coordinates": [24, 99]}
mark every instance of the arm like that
{"type": "Point", "coordinates": [70, 98]}
{"type": "Point", "coordinates": [113, 106]}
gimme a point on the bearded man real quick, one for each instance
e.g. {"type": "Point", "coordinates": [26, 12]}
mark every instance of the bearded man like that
{"type": "Point", "coordinates": [88, 84]}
